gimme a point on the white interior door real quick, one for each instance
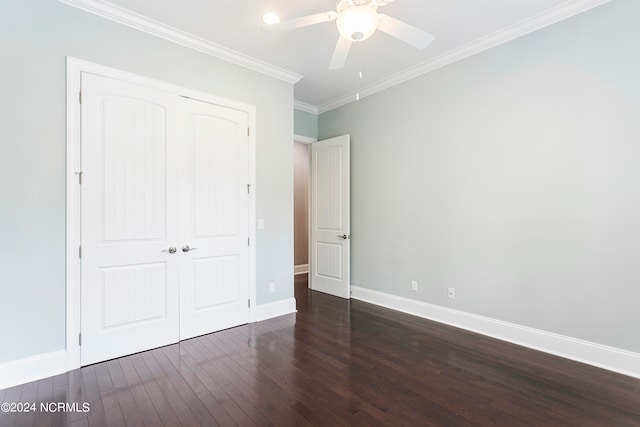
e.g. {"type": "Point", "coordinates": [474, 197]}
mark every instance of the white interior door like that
{"type": "Point", "coordinates": [165, 218]}
{"type": "Point", "coordinates": [129, 279]}
{"type": "Point", "coordinates": [214, 258]}
{"type": "Point", "coordinates": [330, 229]}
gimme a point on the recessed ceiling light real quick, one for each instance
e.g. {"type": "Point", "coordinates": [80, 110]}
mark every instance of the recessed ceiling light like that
{"type": "Point", "coordinates": [271, 18]}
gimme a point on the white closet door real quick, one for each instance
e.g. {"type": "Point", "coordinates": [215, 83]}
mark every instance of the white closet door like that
{"type": "Point", "coordinates": [214, 253]}
{"type": "Point", "coordinates": [129, 219]}
{"type": "Point", "coordinates": [330, 221]}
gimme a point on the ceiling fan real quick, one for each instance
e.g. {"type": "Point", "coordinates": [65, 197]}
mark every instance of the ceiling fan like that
{"type": "Point", "coordinates": [357, 20]}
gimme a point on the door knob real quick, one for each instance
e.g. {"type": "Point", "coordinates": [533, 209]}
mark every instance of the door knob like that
{"type": "Point", "coordinates": [344, 237]}
{"type": "Point", "coordinates": [171, 250]}
{"type": "Point", "coordinates": [186, 248]}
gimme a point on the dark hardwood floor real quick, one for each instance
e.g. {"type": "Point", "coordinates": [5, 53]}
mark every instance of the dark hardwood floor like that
{"type": "Point", "coordinates": [335, 363]}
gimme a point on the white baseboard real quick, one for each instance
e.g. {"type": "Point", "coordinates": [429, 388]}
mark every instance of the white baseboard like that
{"type": "Point", "coordinates": [33, 368]}
{"type": "Point", "coordinates": [300, 269]}
{"type": "Point", "coordinates": [274, 309]}
{"type": "Point", "coordinates": [610, 358]}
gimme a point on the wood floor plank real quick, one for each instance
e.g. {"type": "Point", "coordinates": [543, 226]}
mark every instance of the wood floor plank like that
{"type": "Point", "coordinates": [277, 366]}
{"type": "Point", "coordinates": [132, 418]}
{"type": "Point", "coordinates": [45, 393]}
{"type": "Point", "coordinates": [90, 387]}
{"type": "Point", "coordinates": [82, 422]}
{"type": "Point", "coordinates": [177, 393]}
{"type": "Point", "coordinates": [336, 363]}
{"type": "Point", "coordinates": [92, 396]}
{"type": "Point", "coordinates": [224, 389]}
{"type": "Point", "coordinates": [183, 363]}
{"type": "Point", "coordinates": [328, 371]}
{"type": "Point", "coordinates": [219, 404]}
{"type": "Point", "coordinates": [245, 397]}
{"type": "Point", "coordinates": [76, 395]}
{"type": "Point", "coordinates": [29, 395]}
{"type": "Point", "coordinates": [196, 406]}
{"type": "Point", "coordinates": [11, 396]}
{"type": "Point", "coordinates": [143, 403]}
{"type": "Point", "coordinates": [276, 400]}
{"type": "Point", "coordinates": [110, 405]}
{"type": "Point", "coordinates": [162, 406]}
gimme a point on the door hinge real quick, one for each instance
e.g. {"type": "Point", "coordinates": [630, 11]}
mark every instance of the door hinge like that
{"type": "Point", "coordinates": [248, 303]}
{"type": "Point", "coordinates": [248, 241]}
{"type": "Point", "coordinates": [248, 131]}
{"type": "Point", "coordinates": [248, 188]}
{"type": "Point", "coordinates": [80, 338]}
{"type": "Point", "coordinates": [80, 252]}
{"type": "Point", "coordinates": [79, 177]}
{"type": "Point", "coordinates": [80, 97]}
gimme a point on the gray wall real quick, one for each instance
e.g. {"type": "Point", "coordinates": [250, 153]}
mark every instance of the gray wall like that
{"type": "Point", "coordinates": [513, 176]}
{"type": "Point", "coordinates": [305, 124]}
{"type": "Point", "coordinates": [35, 37]}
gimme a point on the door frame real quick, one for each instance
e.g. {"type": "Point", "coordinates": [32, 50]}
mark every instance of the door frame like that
{"type": "Point", "coordinates": [306, 140]}
{"type": "Point", "coordinates": [74, 68]}
{"type": "Point", "coordinates": [310, 141]}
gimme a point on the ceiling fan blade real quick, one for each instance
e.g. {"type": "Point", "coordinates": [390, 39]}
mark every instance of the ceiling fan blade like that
{"type": "Point", "coordinates": [403, 31]}
{"type": "Point", "coordinates": [340, 54]}
{"type": "Point", "coordinates": [304, 21]}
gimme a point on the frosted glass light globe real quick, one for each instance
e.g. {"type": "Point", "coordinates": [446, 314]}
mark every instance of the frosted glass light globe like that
{"type": "Point", "coordinates": [357, 23]}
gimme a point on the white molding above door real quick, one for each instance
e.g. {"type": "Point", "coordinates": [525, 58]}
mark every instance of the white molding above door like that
{"type": "Point", "coordinates": [73, 175]}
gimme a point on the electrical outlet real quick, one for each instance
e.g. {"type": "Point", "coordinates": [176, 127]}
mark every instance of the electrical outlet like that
{"type": "Point", "coordinates": [272, 287]}
{"type": "Point", "coordinates": [451, 293]}
{"type": "Point", "coordinates": [414, 286]}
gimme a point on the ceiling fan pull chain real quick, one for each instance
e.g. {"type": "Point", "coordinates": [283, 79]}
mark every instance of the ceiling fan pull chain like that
{"type": "Point", "coordinates": [359, 75]}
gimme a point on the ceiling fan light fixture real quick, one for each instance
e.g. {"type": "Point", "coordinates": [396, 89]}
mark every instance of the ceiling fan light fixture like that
{"type": "Point", "coordinates": [357, 23]}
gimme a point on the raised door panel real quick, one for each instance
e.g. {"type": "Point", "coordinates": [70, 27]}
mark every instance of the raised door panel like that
{"type": "Point", "coordinates": [329, 188]}
{"type": "Point", "coordinates": [134, 169]}
{"type": "Point", "coordinates": [329, 260]}
{"type": "Point", "coordinates": [211, 278]}
{"type": "Point", "coordinates": [133, 294]}
{"type": "Point", "coordinates": [216, 176]}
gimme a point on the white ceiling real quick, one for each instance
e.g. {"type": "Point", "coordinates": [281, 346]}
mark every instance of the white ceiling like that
{"type": "Point", "coordinates": [460, 27]}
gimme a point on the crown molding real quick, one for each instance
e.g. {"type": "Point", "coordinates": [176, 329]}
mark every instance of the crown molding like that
{"type": "Point", "coordinates": [123, 16]}
{"type": "Point", "coordinates": [131, 19]}
{"type": "Point", "coordinates": [307, 108]}
{"type": "Point", "coordinates": [526, 26]}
